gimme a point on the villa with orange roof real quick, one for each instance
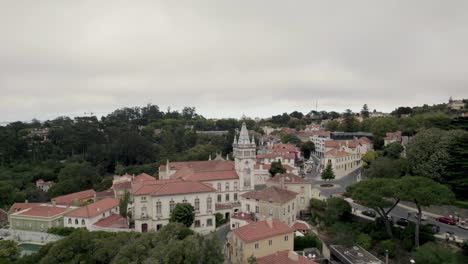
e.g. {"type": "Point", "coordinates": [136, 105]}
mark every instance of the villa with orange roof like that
{"type": "Point", "coordinates": [37, 217]}
{"type": "Point", "coordinates": [88, 215]}
{"type": "Point", "coordinates": [259, 239]}
{"type": "Point", "coordinates": [294, 183]}
{"type": "Point", "coordinates": [155, 200]}
{"type": "Point", "coordinates": [285, 257]}
{"type": "Point", "coordinates": [271, 202]}
{"type": "Point", "coordinates": [75, 199]}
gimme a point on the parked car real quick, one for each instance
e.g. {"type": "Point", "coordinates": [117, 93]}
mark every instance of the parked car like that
{"type": "Point", "coordinates": [446, 220]}
{"type": "Point", "coordinates": [402, 222]}
{"type": "Point", "coordinates": [369, 213]}
{"type": "Point", "coordinates": [434, 228]}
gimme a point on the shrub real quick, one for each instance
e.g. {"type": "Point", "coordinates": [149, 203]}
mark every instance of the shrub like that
{"type": "Point", "coordinates": [364, 240]}
{"type": "Point", "coordinates": [62, 231]}
{"type": "Point", "coordinates": [307, 241]}
{"type": "Point", "coordinates": [387, 245]}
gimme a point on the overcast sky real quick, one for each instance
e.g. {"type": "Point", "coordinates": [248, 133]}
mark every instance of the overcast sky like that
{"type": "Point", "coordinates": [229, 58]}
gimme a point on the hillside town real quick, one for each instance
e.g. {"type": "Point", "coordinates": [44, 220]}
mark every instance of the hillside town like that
{"type": "Point", "coordinates": [261, 200]}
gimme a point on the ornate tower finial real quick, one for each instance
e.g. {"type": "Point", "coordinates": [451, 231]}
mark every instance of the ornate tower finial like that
{"type": "Point", "coordinates": [244, 135]}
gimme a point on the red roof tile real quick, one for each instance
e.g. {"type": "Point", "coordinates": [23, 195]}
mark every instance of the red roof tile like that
{"type": "Point", "coordinates": [126, 185]}
{"type": "Point", "coordinates": [331, 144]}
{"type": "Point", "coordinates": [42, 211]}
{"type": "Point", "coordinates": [274, 155]}
{"type": "Point", "coordinates": [284, 257]}
{"type": "Point", "coordinates": [170, 187]}
{"type": "Point", "coordinates": [104, 194]}
{"type": "Point", "coordinates": [16, 207]}
{"type": "Point", "coordinates": [288, 178]}
{"type": "Point", "coordinates": [336, 153]}
{"type": "Point", "coordinates": [203, 170]}
{"type": "Point", "coordinates": [113, 221]}
{"type": "Point", "coordinates": [272, 194]}
{"type": "Point", "coordinates": [143, 177]}
{"type": "Point", "coordinates": [300, 225]}
{"type": "Point", "coordinates": [68, 199]}
{"type": "Point", "coordinates": [262, 230]}
{"type": "Point", "coordinates": [95, 209]}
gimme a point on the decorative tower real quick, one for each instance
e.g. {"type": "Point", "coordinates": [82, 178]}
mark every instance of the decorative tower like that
{"type": "Point", "coordinates": [244, 151]}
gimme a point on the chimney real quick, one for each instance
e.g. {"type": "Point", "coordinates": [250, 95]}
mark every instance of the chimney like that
{"type": "Point", "coordinates": [293, 256]}
{"type": "Point", "coordinates": [269, 222]}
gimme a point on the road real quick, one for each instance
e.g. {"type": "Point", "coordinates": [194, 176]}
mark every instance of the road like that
{"type": "Point", "coordinates": [402, 212]}
{"type": "Point", "coordinates": [398, 212]}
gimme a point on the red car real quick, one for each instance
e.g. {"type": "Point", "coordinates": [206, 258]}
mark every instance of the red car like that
{"type": "Point", "coordinates": [446, 220]}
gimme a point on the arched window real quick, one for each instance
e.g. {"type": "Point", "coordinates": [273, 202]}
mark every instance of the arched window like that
{"type": "Point", "coordinates": [219, 186]}
{"type": "Point", "coordinates": [76, 221]}
{"type": "Point", "coordinates": [69, 220]}
{"type": "Point", "coordinates": [82, 222]}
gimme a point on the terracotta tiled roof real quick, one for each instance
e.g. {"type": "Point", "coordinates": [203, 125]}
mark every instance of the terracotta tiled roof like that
{"type": "Point", "coordinates": [331, 144]}
{"type": "Point", "coordinates": [274, 155]}
{"type": "Point", "coordinates": [42, 211]}
{"type": "Point", "coordinates": [393, 135]}
{"type": "Point", "coordinates": [272, 194]}
{"type": "Point", "coordinates": [283, 257]}
{"type": "Point", "coordinates": [143, 177]}
{"type": "Point", "coordinates": [170, 187]}
{"type": "Point", "coordinates": [113, 221]}
{"type": "Point", "coordinates": [336, 153]}
{"type": "Point", "coordinates": [104, 194]}
{"type": "Point", "coordinates": [68, 199]}
{"type": "Point", "coordinates": [300, 225]}
{"type": "Point", "coordinates": [122, 185]}
{"type": "Point", "coordinates": [281, 147]}
{"type": "Point", "coordinates": [262, 230]}
{"type": "Point", "coordinates": [288, 178]}
{"type": "Point", "coordinates": [364, 140]}
{"type": "Point", "coordinates": [95, 209]}
{"type": "Point", "coordinates": [203, 170]}
{"type": "Point", "coordinates": [16, 207]}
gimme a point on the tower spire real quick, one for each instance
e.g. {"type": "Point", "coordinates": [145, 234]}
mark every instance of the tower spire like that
{"type": "Point", "coordinates": [244, 135]}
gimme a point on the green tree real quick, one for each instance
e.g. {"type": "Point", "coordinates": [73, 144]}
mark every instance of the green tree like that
{"type": "Point", "coordinates": [252, 260]}
{"type": "Point", "coordinates": [276, 167]}
{"type": "Point", "coordinates": [369, 157]}
{"type": "Point", "coordinates": [384, 167]}
{"type": "Point", "coordinates": [123, 205]}
{"type": "Point", "coordinates": [307, 241]}
{"type": "Point", "coordinates": [350, 123]}
{"type": "Point", "coordinates": [365, 111]}
{"type": "Point", "coordinates": [423, 191]}
{"type": "Point", "coordinates": [393, 150]}
{"type": "Point", "coordinates": [337, 209]}
{"type": "Point", "coordinates": [333, 125]}
{"type": "Point", "coordinates": [364, 240]}
{"type": "Point", "coordinates": [307, 148]}
{"type": "Point", "coordinates": [380, 194]}
{"type": "Point", "coordinates": [183, 213]}
{"type": "Point", "coordinates": [432, 253]}
{"type": "Point", "coordinates": [327, 173]}
{"type": "Point", "coordinates": [9, 250]}
{"type": "Point", "coordinates": [290, 138]}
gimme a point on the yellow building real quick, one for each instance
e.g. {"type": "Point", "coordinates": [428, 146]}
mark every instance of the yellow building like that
{"type": "Point", "coordinates": [259, 239]}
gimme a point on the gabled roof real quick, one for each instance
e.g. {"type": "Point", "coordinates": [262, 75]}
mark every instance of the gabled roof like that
{"type": "Point", "coordinates": [16, 207]}
{"type": "Point", "coordinates": [336, 153]}
{"type": "Point", "coordinates": [274, 155]}
{"type": "Point", "coordinates": [203, 170]}
{"type": "Point", "coordinates": [95, 209]}
{"type": "Point", "coordinates": [122, 185]}
{"type": "Point", "coordinates": [170, 187]}
{"type": "Point", "coordinates": [42, 211]}
{"type": "Point", "coordinates": [287, 178]}
{"type": "Point", "coordinates": [113, 221]}
{"type": "Point", "coordinates": [262, 230]}
{"type": "Point", "coordinates": [143, 177]}
{"type": "Point", "coordinates": [300, 225]}
{"type": "Point", "coordinates": [272, 194]}
{"type": "Point", "coordinates": [285, 257]}
{"type": "Point", "coordinates": [104, 194]}
{"type": "Point", "coordinates": [69, 198]}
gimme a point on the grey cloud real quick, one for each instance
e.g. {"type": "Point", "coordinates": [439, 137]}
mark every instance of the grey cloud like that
{"type": "Point", "coordinates": [229, 58]}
